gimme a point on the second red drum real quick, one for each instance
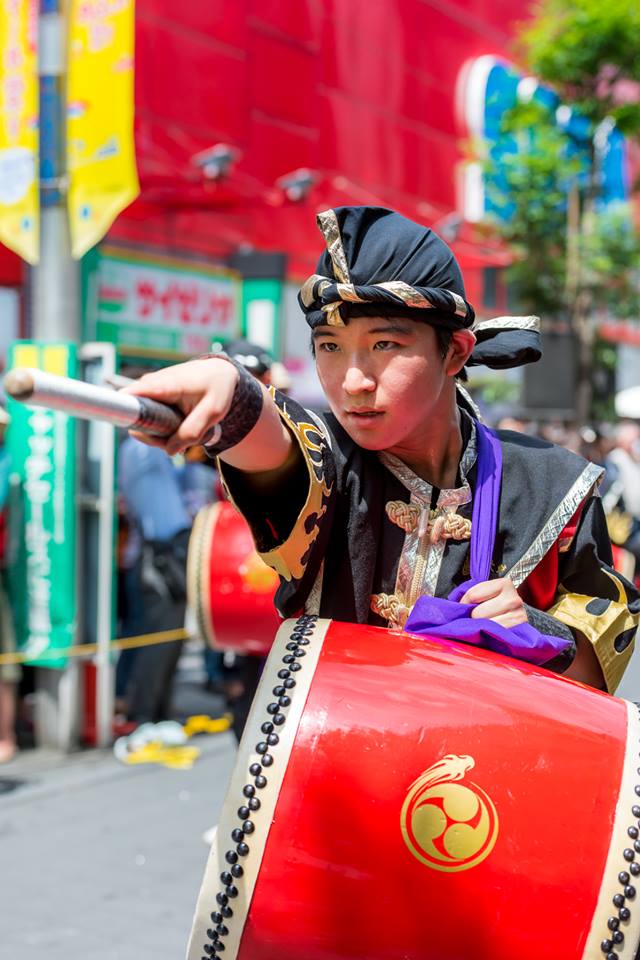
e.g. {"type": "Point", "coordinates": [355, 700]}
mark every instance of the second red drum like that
{"type": "Point", "coordinates": [231, 590]}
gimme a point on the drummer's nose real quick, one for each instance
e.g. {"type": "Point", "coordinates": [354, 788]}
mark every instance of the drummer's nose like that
{"type": "Point", "coordinates": [358, 380]}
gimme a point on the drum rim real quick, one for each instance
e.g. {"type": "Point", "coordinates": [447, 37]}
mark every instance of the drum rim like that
{"type": "Point", "coordinates": [606, 916]}
{"type": "Point", "coordinates": [251, 751]}
{"type": "Point", "coordinates": [198, 570]}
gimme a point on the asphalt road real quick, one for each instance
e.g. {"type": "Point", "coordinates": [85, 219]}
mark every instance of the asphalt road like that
{"type": "Point", "coordinates": [99, 861]}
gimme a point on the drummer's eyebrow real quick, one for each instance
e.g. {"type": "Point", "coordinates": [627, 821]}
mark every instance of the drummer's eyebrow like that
{"type": "Point", "coordinates": [322, 333]}
{"type": "Point", "coordinates": [395, 326]}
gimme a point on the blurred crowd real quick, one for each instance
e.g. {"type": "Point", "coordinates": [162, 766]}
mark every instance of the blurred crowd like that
{"type": "Point", "coordinates": [616, 448]}
{"type": "Point", "coordinates": [158, 500]}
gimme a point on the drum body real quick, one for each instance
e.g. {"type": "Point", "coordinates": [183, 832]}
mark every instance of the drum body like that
{"type": "Point", "coordinates": [231, 590]}
{"type": "Point", "coordinates": [397, 798]}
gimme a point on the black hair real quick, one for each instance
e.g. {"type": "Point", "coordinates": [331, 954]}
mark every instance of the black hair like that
{"type": "Point", "coordinates": [443, 336]}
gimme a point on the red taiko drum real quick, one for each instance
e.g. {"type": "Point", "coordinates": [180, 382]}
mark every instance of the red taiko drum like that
{"type": "Point", "coordinates": [230, 589]}
{"type": "Point", "coordinates": [400, 798]}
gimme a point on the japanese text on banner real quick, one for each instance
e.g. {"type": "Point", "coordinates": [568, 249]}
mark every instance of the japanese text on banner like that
{"type": "Point", "coordinates": [42, 576]}
{"type": "Point", "coordinates": [19, 204]}
{"type": "Point", "coordinates": [100, 106]}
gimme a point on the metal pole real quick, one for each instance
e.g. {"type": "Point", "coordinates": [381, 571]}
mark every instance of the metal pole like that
{"type": "Point", "coordinates": [100, 361]}
{"type": "Point", "coordinates": [55, 313]}
{"type": "Point", "coordinates": [55, 282]}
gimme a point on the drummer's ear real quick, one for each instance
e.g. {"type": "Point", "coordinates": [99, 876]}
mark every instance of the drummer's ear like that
{"type": "Point", "coordinates": [460, 348]}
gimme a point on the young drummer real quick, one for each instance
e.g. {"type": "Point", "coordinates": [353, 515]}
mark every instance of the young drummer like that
{"type": "Point", "coordinates": [399, 494]}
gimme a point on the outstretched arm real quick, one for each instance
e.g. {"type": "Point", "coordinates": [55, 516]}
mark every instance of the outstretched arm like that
{"type": "Point", "coordinates": [208, 392]}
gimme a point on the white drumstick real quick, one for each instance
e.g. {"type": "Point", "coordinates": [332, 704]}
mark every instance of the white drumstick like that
{"type": "Point", "coordinates": [90, 402]}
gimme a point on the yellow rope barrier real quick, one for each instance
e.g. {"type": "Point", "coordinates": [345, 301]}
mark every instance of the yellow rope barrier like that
{"type": "Point", "coordinates": [90, 649]}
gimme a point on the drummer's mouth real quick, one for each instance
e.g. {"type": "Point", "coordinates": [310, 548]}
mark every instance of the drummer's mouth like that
{"type": "Point", "coordinates": [364, 416]}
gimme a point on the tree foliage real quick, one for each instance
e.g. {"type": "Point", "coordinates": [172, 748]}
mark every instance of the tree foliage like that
{"type": "Point", "coordinates": [575, 258]}
{"type": "Point", "coordinates": [528, 188]}
{"type": "Point", "coordinates": [589, 51]}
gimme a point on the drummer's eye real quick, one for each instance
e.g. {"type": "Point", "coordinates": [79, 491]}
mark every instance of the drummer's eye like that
{"type": "Point", "coordinates": [385, 345]}
{"type": "Point", "coordinates": [327, 346]}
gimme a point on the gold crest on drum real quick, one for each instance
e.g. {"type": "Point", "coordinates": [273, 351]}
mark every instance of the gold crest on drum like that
{"type": "Point", "coordinates": [446, 824]}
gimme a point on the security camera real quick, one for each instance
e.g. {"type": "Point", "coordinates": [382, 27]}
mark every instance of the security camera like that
{"type": "Point", "coordinates": [297, 184]}
{"type": "Point", "coordinates": [216, 161]}
{"type": "Point", "coordinates": [449, 226]}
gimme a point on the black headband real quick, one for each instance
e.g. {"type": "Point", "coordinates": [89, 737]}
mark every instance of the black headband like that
{"type": "Point", "coordinates": [377, 262]}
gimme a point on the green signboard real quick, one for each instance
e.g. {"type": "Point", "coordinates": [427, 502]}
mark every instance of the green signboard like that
{"type": "Point", "coordinates": [157, 304]}
{"type": "Point", "coordinates": [42, 554]}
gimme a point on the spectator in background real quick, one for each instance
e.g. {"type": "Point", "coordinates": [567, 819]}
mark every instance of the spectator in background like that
{"type": "Point", "coordinates": [9, 673]}
{"type": "Point", "coordinates": [621, 497]}
{"type": "Point", "coordinates": [512, 423]}
{"type": "Point", "coordinates": [130, 611]}
{"type": "Point", "coordinates": [149, 484]}
{"type": "Point", "coordinates": [199, 482]}
{"type": "Point", "coordinates": [625, 458]}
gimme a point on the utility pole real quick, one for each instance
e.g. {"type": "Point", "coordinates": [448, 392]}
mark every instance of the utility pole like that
{"type": "Point", "coordinates": [54, 311]}
{"type": "Point", "coordinates": [55, 286]}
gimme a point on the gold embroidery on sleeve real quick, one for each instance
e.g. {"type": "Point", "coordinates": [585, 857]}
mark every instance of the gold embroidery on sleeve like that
{"type": "Point", "coordinates": [289, 558]}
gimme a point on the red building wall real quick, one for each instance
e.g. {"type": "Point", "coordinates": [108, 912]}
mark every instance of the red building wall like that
{"type": "Point", "coordinates": [363, 94]}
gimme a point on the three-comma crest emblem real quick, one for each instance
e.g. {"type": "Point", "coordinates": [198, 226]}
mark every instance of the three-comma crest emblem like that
{"type": "Point", "coordinates": [447, 822]}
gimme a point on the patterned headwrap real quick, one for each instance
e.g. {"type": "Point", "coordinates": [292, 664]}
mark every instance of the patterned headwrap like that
{"type": "Point", "coordinates": [379, 263]}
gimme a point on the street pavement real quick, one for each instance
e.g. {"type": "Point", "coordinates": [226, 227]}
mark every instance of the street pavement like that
{"type": "Point", "coordinates": [100, 861]}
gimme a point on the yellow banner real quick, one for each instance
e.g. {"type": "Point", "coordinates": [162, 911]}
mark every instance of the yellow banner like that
{"type": "Point", "coordinates": [19, 202]}
{"type": "Point", "coordinates": [100, 105]}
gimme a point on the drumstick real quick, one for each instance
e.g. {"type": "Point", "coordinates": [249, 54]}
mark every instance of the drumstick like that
{"type": "Point", "coordinates": [90, 402]}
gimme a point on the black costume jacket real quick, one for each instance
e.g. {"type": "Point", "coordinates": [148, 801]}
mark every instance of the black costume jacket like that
{"type": "Point", "coordinates": [356, 536]}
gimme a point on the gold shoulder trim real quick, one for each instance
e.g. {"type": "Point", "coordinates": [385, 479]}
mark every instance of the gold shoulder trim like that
{"type": "Point", "coordinates": [555, 524]}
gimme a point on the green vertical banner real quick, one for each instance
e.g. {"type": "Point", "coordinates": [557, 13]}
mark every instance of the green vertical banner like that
{"type": "Point", "coordinates": [42, 527]}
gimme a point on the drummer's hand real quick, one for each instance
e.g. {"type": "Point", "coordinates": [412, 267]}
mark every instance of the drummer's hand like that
{"type": "Point", "coordinates": [201, 389]}
{"type": "Point", "coordinates": [497, 600]}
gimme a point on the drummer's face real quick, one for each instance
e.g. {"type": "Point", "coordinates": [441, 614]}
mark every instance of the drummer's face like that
{"type": "Point", "coordinates": [386, 380]}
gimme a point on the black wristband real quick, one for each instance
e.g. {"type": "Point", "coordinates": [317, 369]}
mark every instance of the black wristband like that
{"type": "Point", "coordinates": [244, 412]}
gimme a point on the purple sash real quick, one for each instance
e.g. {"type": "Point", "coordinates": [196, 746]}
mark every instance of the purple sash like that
{"type": "Point", "coordinates": [451, 620]}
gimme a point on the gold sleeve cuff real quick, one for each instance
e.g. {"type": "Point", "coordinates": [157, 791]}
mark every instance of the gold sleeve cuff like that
{"type": "Point", "coordinates": [607, 624]}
